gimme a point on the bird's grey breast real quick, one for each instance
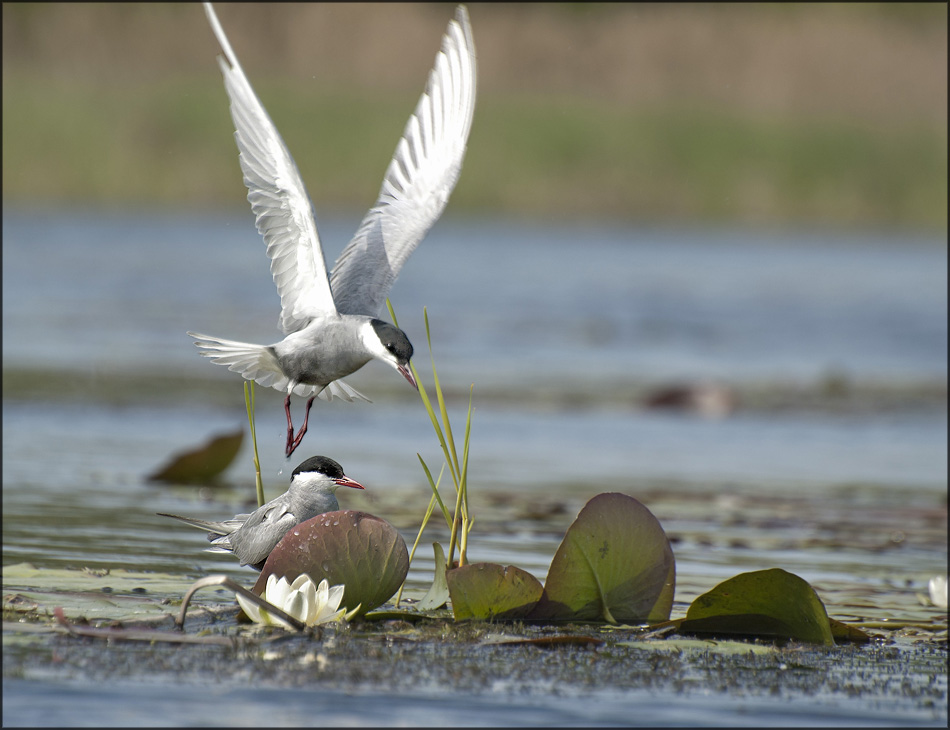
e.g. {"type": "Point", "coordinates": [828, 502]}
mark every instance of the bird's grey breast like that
{"type": "Point", "coordinates": [324, 351]}
{"type": "Point", "coordinates": [310, 503]}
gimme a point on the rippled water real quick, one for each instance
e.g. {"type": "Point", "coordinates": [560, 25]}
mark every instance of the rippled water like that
{"type": "Point", "coordinates": [564, 332]}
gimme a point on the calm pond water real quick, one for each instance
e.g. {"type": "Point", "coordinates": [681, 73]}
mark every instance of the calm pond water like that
{"type": "Point", "coordinates": [832, 465]}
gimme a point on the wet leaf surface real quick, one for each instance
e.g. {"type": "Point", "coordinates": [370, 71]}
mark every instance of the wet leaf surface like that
{"type": "Point", "coordinates": [614, 564]}
{"type": "Point", "coordinates": [491, 591]}
{"type": "Point", "coordinates": [768, 603]}
{"type": "Point", "coordinates": [355, 549]}
{"type": "Point", "coordinates": [115, 596]}
{"type": "Point", "coordinates": [844, 633]}
{"type": "Point", "coordinates": [110, 581]}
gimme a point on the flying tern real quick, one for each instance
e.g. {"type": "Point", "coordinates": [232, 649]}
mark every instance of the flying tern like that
{"type": "Point", "coordinates": [331, 322]}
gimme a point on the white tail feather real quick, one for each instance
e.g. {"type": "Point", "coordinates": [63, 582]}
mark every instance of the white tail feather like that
{"type": "Point", "coordinates": [259, 363]}
{"type": "Point", "coordinates": [341, 390]}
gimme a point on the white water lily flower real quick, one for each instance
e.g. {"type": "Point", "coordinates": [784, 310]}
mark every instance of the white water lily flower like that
{"type": "Point", "coordinates": [938, 591]}
{"type": "Point", "coordinates": [312, 605]}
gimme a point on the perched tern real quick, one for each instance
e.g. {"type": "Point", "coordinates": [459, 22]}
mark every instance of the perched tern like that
{"type": "Point", "coordinates": [251, 537]}
{"type": "Point", "coordinates": [331, 323]}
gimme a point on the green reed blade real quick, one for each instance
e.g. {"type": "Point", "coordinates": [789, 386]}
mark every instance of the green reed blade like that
{"type": "Point", "coordinates": [454, 461]}
{"type": "Point", "coordinates": [249, 404]}
{"type": "Point", "coordinates": [435, 490]}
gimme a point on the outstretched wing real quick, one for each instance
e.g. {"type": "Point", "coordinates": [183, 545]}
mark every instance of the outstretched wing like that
{"type": "Point", "coordinates": [278, 198]}
{"type": "Point", "coordinates": [419, 179]}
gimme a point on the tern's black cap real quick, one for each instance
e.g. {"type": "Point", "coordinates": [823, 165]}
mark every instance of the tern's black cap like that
{"type": "Point", "coordinates": [322, 464]}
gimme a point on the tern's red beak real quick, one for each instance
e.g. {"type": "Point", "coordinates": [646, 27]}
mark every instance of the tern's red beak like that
{"type": "Point", "coordinates": [347, 482]}
{"type": "Point", "coordinates": [407, 374]}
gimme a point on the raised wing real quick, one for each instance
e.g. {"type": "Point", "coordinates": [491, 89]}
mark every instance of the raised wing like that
{"type": "Point", "coordinates": [278, 198]}
{"type": "Point", "coordinates": [419, 179]}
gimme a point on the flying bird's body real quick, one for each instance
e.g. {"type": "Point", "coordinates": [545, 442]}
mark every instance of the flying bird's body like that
{"type": "Point", "coordinates": [251, 537]}
{"type": "Point", "coordinates": [331, 322]}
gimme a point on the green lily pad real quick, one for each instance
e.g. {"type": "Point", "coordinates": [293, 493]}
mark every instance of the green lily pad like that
{"type": "Point", "coordinates": [614, 564]}
{"type": "Point", "coordinates": [490, 591]}
{"type": "Point", "coordinates": [97, 595]}
{"type": "Point", "coordinates": [105, 580]}
{"type": "Point", "coordinates": [360, 551]}
{"type": "Point", "coordinates": [765, 603]}
{"type": "Point", "coordinates": [843, 632]}
{"type": "Point", "coordinates": [201, 465]}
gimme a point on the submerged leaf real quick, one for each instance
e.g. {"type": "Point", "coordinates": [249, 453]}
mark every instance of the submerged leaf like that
{"type": "Point", "coordinates": [767, 603]}
{"type": "Point", "coordinates": [201, 465]}
{"type": "Point", "coordinates": [489, 591]}
{"type": "Point", "coordinates": [108, 595]}
{"type": "Point", "coordinates": [357, 550]}
{"type": "Point", "coordinates": [706, 646]}
{"type": "Point", "coordinates": [547, 642]}
{"type": "Point", "coordinates": [615, 564]}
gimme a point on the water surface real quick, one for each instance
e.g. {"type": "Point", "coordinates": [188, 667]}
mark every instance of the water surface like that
{"type": "Point", "coordinates": [563, 331]}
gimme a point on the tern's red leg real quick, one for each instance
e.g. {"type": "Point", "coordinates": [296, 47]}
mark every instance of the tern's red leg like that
{"type": "Point", "coordinates": [303, 429]}
{"type": "Point", "coordinates": [290, 427]}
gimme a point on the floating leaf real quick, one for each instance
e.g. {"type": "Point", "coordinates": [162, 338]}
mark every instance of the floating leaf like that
{"type": "Point", "coordinates": [355, 549]}
{"type": "Point", "coordinates": [766, 603]}
{"type": "Point", "coordinates": [614, 564]}
{"type": "Point", "coordinates": [489, 591]}
{"type": "Point", "coordinates": [201, 465]}
{"type": "Point", "coordinates": [438, 592]}
{"type": "Point", "coordinates": [547, 642]}
{"type": "Point", "coordinates": [110, 595]}
{"type": "Point", "coordinates": [705, 646]}
{"type": "Point", "coordinates": [844, 632]}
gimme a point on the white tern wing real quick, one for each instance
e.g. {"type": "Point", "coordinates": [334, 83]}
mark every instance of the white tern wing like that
{"type": "Point", "coordinates": [419, 179]}
{"type": "Point", "coordinates": [278, 198]}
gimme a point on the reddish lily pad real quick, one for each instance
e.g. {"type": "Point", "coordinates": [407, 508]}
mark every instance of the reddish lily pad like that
{"type": "Point", "coordinates": [490, 591]}
{"type": "Point", "coordinates": [203, 464]}
{"type": "Point", "coordinates": [614, 564]}
{"type": "Point", "coordinates": [765, 603]}
{"type": "Point", "coordinates": [360, 551]}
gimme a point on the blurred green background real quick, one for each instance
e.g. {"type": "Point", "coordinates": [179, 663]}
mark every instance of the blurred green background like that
{"type": "Point", "coordinates": [763, 114]}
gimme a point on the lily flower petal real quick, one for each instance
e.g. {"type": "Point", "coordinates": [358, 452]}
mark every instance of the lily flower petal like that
{"type": "Point", "coordinates": [277, 592]}
{"type": "Point", "coordinates": [334, 597]}
{"type": "Point", "coordinates": [300, 581]}
{"type": "Point", "coordinates": [251, 609]}
{"type": "Point", "coordinates": [309, 591]}
{"type": "Point", "coordinates": [938, 591]}
{"type": "Point", "coordinates": [309, 603]}
{"type": "Point", "coordinates": [296, 605]}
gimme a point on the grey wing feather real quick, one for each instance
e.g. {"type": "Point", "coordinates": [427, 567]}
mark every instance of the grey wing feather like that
{"type": "Point", "coordinates": [278, 199]}
{"type": "Point", "coordinates": [419, 179]}
{"type": "Point", "coordinates": [252, 546]}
